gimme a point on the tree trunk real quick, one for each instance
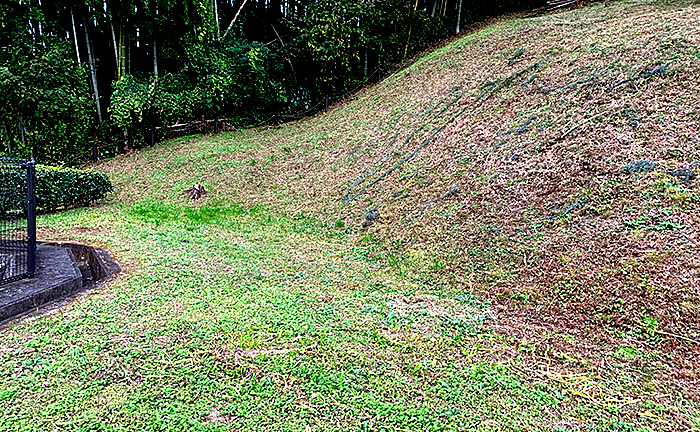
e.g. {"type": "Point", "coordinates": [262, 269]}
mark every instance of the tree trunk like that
{"type": "Point", "coordinates": [155, 52]}
{"type": "Point", "coordinates": [128, 55]}
{"type": "Point", "coordinates": [75, 37]}
{"type": "Point", "coordinates": [408, 41]}
{"type": "Point", "coordinates": [126, 140]}
{"type": "Point", "coordinates": [216, 20]}
{"type": "Point", "coordinates": [116, 47]}
{"type": "Point", "coordinates": [155, 59]}
{"type": "Point", "coordinates": [405, 51]}
{"type": "Point", "coordinates": [280, 39]}
{"type": "Point", "coordinates": [366, 54]}
{"type": "Point", "coordinates": [93, 73]}
{"type": "Point", "coordinates": [459, 15]}
{"type": "Point", "coordinates": [119, 58]}
{"type": "Point", "coordinates": [122, 52]}
{"type": "Point", "coordinates": [7, 137]}
{"type": "Point", "coordinates": [22, 130]}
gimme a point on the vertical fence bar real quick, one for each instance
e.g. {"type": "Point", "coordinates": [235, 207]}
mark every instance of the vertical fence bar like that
{"type": "Point", "coordinates": [216, 125]}
{"type": "Point", "coordinates": [31, 218]}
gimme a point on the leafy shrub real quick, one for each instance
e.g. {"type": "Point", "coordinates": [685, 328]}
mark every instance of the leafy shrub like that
{"type": "Point", "coordinates": [66, 187]}
{"type": "Point", "coordinates": [233, 78]}
{"type": "Point", "coordinates": [45, 102]}
{"type": "Point", "coordinates": [55, 187]}
{"type": "Point", "coordinates": [13, 181]}
{"type": "Point", "coordinates": [131, 100]}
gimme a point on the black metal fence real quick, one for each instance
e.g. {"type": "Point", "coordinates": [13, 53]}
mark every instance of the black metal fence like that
{"type": "Point", "coordinates": [17, 220]}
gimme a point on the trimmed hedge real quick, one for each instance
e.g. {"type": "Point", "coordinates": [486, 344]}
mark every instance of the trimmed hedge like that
{"type": "Point", "coordinates": [13, 186]}
{"type": "Point", "coordinates": [67, 187]}
{"type": "Point", "coordinates": [55, 187]}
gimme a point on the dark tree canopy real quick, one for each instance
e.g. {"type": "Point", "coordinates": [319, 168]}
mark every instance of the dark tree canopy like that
{"type": "Point", "coordinates": [73, 71]}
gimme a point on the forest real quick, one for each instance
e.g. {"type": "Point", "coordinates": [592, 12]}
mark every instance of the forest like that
{"type": "Point", "coordinates": [74, 73]}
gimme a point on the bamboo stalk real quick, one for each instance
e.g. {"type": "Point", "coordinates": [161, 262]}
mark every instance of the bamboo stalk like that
{"type": "Point", "coordinates": [216, 20]}
{"type": "Point", "coordinates": [280, 39]}
{"type": "Point", "coordinates": [114, 44]}
{"type": "Point", "coordinates": [410, 29]}
{"type": "Point", "coordinates": [408, 41]}
{"type": "Point", "coordinates": [234, 19]}
{"type": "Point", "coordinates": [75, 37]}
{"type": "Point", "coordinates": [93, 73]}
{"type": "Point", "coordinates": [155, 59]}
{"type": "Point", "coordinates": [459, 15]}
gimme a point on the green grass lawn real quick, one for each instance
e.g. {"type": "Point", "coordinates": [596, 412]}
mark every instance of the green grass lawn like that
{"type": "Point", "coordinates": [234, 318]}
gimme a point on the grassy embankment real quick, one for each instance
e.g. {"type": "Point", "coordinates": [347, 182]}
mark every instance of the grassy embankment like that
{"type": "Point", "coordinates": [515, 277]}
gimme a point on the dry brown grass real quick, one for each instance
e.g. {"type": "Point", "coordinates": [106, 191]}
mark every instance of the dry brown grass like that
{"type": "Point", "coordinates": [619, 269]}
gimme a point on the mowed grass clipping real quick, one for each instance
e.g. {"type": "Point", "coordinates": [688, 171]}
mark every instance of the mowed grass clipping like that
{"type": "Point", "coordinates": [457, 248]}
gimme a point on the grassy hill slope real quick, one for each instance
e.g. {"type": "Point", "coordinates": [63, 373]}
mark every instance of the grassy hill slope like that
{"type": "Point", "coordinates": [544, 163]}
{"type": "Point", "coordinates": [502, 236]}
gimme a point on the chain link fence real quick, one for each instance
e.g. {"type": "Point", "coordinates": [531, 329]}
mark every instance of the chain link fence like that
{"type": "Point", "coordinates": [17, 220]}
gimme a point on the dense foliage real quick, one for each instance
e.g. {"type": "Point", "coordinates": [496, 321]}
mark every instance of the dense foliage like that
{"type": "Point", "coordinates": [68, 187]}
{"type": "Point", "coordinates": [55, 188]}
{"type": "Point", "coordinates": [76, 71]}
{"type": "Point", "coordinates": [44, 97]}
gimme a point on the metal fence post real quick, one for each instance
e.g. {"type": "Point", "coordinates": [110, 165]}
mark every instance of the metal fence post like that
{"type": "Point", "coordinates": [31, 217]}
{"type": "Point", "coordinates": [216, 125]}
